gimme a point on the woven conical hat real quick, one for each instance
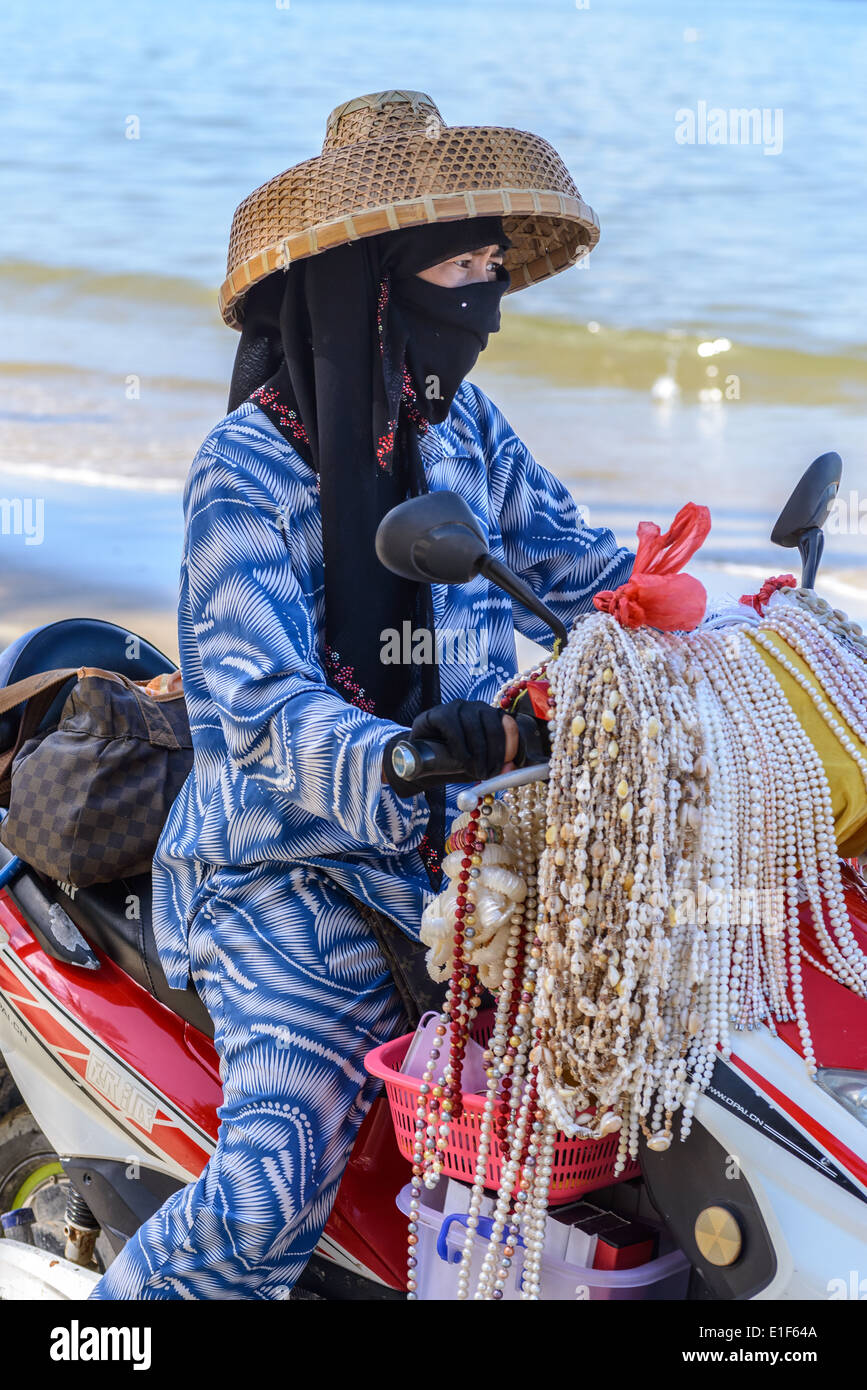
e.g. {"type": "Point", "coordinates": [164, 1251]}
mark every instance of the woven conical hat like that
{"type": "Point", "coordinates": [390, 161]}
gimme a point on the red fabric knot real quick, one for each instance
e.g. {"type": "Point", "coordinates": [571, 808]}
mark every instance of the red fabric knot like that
{"type": "Point", "coordinates": [656, 595]}
{"type": "Point", "coordinates": [770, 586]}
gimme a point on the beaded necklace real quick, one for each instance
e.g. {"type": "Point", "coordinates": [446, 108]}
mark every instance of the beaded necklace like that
{"type": "Point", "coordinates": [633, 912]}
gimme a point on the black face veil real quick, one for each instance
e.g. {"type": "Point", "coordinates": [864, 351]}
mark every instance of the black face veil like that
{"type": "Point", "coordinates": [352, 357]}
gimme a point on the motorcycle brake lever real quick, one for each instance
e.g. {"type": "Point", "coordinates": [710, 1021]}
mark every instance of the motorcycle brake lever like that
{"type": "Point", "coordinates": [531, 772]}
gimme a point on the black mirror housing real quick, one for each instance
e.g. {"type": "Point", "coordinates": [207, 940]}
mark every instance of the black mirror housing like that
{"type": "Point", "coordinates": [810, 501]}
{"type": "Point", "coordinates": [433, 539]}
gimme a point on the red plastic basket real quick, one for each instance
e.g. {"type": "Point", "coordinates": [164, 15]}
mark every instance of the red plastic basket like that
{"type": "Point", "coordinates": [580, 1165]}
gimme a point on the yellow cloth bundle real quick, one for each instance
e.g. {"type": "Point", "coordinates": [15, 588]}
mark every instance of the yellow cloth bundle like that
{"type": "Point", "coordinates": [848, 795]}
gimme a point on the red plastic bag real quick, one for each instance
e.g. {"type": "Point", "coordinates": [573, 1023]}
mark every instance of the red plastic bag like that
{"type": "Point", "coordinates": [770, 586]}
{"type": "Point", "coordinates": [656, 595]}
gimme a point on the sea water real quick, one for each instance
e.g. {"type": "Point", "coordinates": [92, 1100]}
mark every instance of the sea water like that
{"type": "Point", "coordinates": [710, 347]}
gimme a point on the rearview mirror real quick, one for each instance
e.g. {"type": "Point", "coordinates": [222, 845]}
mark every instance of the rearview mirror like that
{"type": "Point", "coordinates": [801, 520]}
{"type": "Point", "coordinates": [436, 539]}
{"type": "Point", "coordinates": [810, 501]}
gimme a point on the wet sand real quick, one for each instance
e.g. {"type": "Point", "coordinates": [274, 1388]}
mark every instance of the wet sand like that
{"type": "Point", "coordinates": [115, 552]}
{"type": "Point", "coordinates": [28, 601]}
{"type": "Point", "coordinates": [98, 552]}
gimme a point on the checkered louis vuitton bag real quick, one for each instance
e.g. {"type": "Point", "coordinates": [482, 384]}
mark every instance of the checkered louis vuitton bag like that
{"type": "Point", "coordinates": [89, 797]}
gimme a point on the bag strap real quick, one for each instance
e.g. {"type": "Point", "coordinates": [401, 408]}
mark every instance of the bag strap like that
{"type": "Point", "coordinates": [37, 691]}
{"type": "Point", "coordinates": [160, 732]}
{"type": "Point", "coordinates": [12, 695]}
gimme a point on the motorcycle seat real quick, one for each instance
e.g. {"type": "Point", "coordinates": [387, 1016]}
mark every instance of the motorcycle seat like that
{"type": "Point", "coordinates": [74, 642]}
{"type": "Point", "coordinates": [101, 912]}
{"type": "Point", "coordinates": [117, 919]}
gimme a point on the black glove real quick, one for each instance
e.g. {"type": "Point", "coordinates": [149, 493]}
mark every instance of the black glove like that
{"type": "Point", "coordinates": [471, 730]}
{"type": "Point", "coordinates": [473, 735]}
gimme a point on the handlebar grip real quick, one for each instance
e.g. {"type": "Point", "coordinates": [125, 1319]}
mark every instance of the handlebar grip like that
{"type": "Point", "coordinates": [420, 759]}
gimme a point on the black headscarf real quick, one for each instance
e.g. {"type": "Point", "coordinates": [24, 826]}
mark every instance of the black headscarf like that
{"type": "Point", "coordinates": [352, 356]}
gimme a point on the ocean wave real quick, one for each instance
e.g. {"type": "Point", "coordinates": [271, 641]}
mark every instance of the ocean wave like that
{"type": "Point", "coordinates": [689, 366]}
{"type": "Point", "coordinates": [828, 581]}
{"type": "Point", "coordinates": [681, 363]}
{"type": "Point", "coordinates": [90, 477]}
{"type": "Point", "coordinates": [127, 286]}
{"type": "Point", "coordinates": [74, 375]}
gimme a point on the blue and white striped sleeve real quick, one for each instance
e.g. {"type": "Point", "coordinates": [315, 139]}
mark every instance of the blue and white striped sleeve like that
{"type": "Point", "coordinates": [283, 724]}
{"type": "Point", "coordinates": [545, 538]}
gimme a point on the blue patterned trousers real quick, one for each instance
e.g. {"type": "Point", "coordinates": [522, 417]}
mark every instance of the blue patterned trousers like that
{"type": "Point", "coordinates": [299, 991]}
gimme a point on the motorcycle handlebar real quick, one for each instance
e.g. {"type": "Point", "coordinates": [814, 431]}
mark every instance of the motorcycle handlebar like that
{"type": "Point", "coordinates": [427, 762]}
{"type": "Point", "coordinates": [421, 760]}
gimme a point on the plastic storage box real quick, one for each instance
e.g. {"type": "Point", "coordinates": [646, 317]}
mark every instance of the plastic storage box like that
{"type": "Point", "coordinates": [441, 1241]}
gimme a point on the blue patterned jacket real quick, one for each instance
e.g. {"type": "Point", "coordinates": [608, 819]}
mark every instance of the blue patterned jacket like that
{"type": "Point", "coordinates": [285, 771]}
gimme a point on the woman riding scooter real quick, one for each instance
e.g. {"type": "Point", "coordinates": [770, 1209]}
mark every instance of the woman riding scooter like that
{"type": "Point", "coordinates": [366, 281]}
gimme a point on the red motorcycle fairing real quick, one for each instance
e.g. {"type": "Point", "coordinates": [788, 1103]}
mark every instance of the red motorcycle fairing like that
{"type": "Point", "coordinates": [837, 1016]}
{"type": "Point", "coordinates": [158, 1078]}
